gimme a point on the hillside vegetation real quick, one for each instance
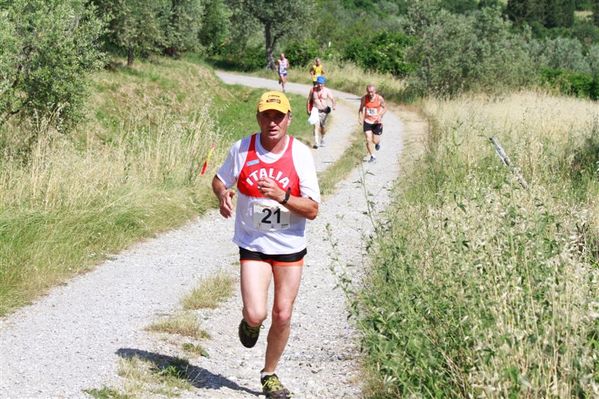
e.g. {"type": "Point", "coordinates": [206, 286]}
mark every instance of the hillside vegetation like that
{"type": "Point", "coordinates": [481, 287]}
{"type": "Point", "coordinates": [131, 170]}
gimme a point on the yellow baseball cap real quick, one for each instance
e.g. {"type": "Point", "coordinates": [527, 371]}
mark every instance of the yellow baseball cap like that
{"type": "Point", "coordinates": [274, 100]}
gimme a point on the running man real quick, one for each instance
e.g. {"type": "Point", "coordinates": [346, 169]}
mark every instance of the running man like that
{"type": "Point", "coordinates": [320, 97]}
{"type": "Point", "coordinates": [278, 190]}
{"type": "Point", "coordinates": [370, 115]}
{"type": "Point", "coordinates": [282, 66]}
{"type": "Point", "coordinates": [316, 70]}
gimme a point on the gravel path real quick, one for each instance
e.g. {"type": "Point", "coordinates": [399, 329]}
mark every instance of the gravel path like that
{"type": "Point", "coordinates": [72, 339]}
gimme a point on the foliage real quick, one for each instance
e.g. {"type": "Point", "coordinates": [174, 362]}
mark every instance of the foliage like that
{"type": "Point", "coordinates": [561, 53]}
{"type": "Point", "coordinates": [572, 83]}
{"type": "Point", "coordinates": [549, 13]}
{"type": "Point", "coordinates": [136, 27]}
{"type": "Point", "coordinates": [183, 25]}
{"type": "Point", "coordinates": [301, 52]}
{"type": "Point", "coordinates": [47, 50]}
{"type": "Point", "coordinates": [279, 20]}
{"type": "Point", "coordinates": [382, 52]}
{"type": "Point", "coordinates": [216, 29]}
{"type": "Point", "coordinates": [453, 53]}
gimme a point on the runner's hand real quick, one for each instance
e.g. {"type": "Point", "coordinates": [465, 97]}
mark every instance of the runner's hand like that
{"type": "Point", "coordinates": [226, 203]}
{"type": "Point", "coordinates": [270, 189]}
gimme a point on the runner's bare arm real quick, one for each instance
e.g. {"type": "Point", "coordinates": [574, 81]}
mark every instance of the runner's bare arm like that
{"type": "Point", "coordinates": [308, 102]}
{"type": "Point", "coordinates": [225, 197]}
{"type": "Point", "coordinates": [383, 109]}
{"type": "Point", "coordinates": [305, 207]}
{"type": "Point", "coordinates": [360, 116]}
{"type": "Point", "coordinates": [332, 98]}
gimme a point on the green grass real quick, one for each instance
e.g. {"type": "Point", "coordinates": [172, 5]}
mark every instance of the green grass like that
{"type": "Point", "coordinates": [106, 393]}
{"type": "Point", "coordinates": [194, 349]}
{"type": "Point", "coordinates": [237, 115]}
{"type": "Point", "coordinates": [185, 324]}
{"type": "Point", "coordinates": [161, 377]}
{"type": "Point", "coordinates": [351, 157]}
{"type": "Point", "coordinates": [210, 293]}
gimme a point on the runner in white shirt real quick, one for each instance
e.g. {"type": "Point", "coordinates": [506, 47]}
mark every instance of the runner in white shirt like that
{"type": "Point", "coordinates": [277, 191]}
{"type": "Point", "coordinates": [282, 66]}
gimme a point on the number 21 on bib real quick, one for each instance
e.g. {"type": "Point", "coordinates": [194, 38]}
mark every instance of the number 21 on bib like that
{"type": "Point", "coordinates": [270, 217]}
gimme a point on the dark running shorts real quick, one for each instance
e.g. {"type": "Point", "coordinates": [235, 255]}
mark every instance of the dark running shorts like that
{"type": "Point", "coordinates": [296, 259]}
{"type": "Point", "coordinates": [376, 128]}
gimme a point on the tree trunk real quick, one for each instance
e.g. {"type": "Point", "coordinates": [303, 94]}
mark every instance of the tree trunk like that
{"type": "Point", "coordinates": [130, 55]}
{"type": "Point", "coordinates": [269, 42]}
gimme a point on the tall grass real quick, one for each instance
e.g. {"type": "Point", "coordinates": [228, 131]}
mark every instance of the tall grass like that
{"type": "Point", "coordinates": [481, 288]}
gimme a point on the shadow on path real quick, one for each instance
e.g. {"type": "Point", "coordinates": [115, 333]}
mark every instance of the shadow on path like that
{"type": "Point", "coordinates": [196, 376]}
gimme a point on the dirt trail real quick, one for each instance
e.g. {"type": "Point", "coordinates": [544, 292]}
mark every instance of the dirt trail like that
{"type": "Point", "coordinates": [72, 339]}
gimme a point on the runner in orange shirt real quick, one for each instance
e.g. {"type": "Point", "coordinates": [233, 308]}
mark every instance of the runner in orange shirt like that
{"type": "Point", "coordinates": [370, 115]}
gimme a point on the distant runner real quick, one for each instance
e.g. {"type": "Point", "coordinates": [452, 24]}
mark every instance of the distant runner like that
{"type": "Point", "coordinates": [277, 191]}
{"type": "Point", "coordinates": [370, 115]}
{"type": "Point", "coordinates": [282, 66]}
{"type": "Point", "coordinates": [316, 70]}
{"type": "Point", "coordinates": [320, 97]}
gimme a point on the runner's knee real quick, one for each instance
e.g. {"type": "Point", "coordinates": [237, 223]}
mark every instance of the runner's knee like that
{"type": "Point", "coordinates": [281, 316]}
{"type": "Point", "coordinates": [254, 317]}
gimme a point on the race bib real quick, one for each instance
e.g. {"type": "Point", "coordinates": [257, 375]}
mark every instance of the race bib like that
{"type": "Point", "coordinates": [270, 217]}
{"type": "Point", "coordinates": [371, 111]}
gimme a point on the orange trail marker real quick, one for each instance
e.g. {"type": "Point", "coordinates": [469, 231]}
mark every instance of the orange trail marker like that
{"type": "Point", "coordinates": [205, 166]}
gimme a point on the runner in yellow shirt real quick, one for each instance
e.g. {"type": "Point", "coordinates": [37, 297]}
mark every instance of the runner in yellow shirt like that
{"type": "Point", "coordinates": [316, 70]}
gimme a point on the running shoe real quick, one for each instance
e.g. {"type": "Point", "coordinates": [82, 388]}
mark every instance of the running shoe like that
{"type": "Point", "coordinates": [377, 146]}
{"type": "Point", "coordinates": [315, 146]}
{"type": "Point", "coordinates": [248, 335]}
{"type": "Point", "coordinates": [273, 389]}
{"type": "Point", "coordinates": [372, 159]}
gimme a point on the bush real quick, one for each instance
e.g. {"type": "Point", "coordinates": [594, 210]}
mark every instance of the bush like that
{"type": "Point", "coordinates": [572, 83]}
{"type": "Point", "coordinates": [302, 52]}
{"type": "Point", "coordinates": [383, 52]}
{"type": "Point", "coordinates": [47, 51]}
{"type": "Point", "coordinates": [453, 53]}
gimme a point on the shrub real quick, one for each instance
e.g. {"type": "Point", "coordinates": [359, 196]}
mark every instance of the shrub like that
{"type": "Point", "coordinates": [302, 52]}
{"type": "Point", "coordinates": [571, 83]}
{"type": "Point", "coordinates": [383, 52]}
{"type": "Point", "coordinates": [47, 52]}
{"type": "Point", "coordinates": [455, 53]}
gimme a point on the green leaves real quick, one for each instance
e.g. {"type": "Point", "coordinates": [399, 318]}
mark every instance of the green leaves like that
{"type": "Point", "coordinates": [47, 50]}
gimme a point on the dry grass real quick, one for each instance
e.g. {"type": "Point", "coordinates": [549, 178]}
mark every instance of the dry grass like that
{"type": "Point", "coordinates": [481, 288]}
{"type": "Point", "coordinates": [67, 201]}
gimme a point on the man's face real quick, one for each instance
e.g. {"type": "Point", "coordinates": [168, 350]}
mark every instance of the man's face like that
{"type": "Point", "coordinates": [273, 124]}
{"type": "Point", "coordinates": [318, 86]}
{"type": "Point", "coordinates": [371, 92]}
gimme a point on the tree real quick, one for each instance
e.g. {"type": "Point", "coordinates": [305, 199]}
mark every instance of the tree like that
{"type": "Point", "coordinates": [47, 50]}
{"type": "Point", "coordinates": [279, 19]}
{"type": "Point", "coordinates": [184, 23]}
{"type": "Point", "coordinates": [136, 27]}
{"type": "Point", "coordinates": [549, 13]}
{"type": "Point", "coordinates": [215, 28]}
